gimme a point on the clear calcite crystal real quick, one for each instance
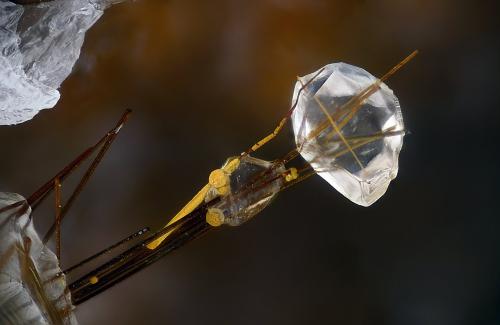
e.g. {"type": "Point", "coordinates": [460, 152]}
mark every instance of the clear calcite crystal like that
{"type": "Point", "coordinates": [356, 146]}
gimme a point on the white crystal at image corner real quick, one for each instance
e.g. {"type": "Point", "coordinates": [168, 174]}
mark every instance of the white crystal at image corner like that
{"type": "Point", "coordinates": [39, 45]}
{"type": "Point", "coordinates": [32, 288]}
{"type": "Point", "coordinates": [362, 177]}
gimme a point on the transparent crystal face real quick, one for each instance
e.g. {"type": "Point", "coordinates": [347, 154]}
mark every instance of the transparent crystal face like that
{"type": "Point", "coordinates": [353, 144]}
{"type": "Point", "coordinates": [254, 184]}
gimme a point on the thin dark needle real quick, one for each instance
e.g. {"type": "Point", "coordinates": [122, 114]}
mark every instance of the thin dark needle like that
{"type": "Point", "coordinates": [12, 206]}
{"type": "Point", "coordinates": [139, 256]}
{"type": "Point", "coordinates": [39, 195]}
{"type": "Point", "coordinates": [285, 119]}
{"type": "Point", "coordinates": [109, 138]}
{"type": "Point", "coordinates": [107, 250]}
{"type": "Point", "coordinates": [57, 192]}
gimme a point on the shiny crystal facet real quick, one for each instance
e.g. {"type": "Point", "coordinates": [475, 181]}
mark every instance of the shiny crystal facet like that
{"type": "Point", "coordinates": [39, 44]}
{"type": "Point", "coordinates": [356, 147]}
{"type": "Point", "coordinates": [253, 185]}
{"type": "Point", "coordinates": [32, 287]}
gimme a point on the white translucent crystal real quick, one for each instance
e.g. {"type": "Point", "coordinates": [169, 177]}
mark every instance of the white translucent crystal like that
{"type": "Point", "coordinates": [39, 44]}
{"type": "Point", "coordinates": [253, 186]}
{"type": "Point", "coordinates": [364, 174]}
{"type": "Point", "coordinates": [32, 291]}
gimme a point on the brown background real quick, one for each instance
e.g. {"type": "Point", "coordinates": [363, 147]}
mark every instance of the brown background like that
{"type": "Point", "coordinates": [205, 80]}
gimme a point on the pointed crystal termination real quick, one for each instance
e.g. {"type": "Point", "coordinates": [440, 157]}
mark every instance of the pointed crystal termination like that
{"type": "Point", "coordinates": [349, 129]}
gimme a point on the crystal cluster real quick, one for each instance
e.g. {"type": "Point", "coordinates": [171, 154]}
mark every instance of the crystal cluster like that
{"type": "Point", "coordinates": [32, 288]}
{"type": "Point", "coordinates": [39, 44]}
{"type": "Point", "coordinates": [351, 141]}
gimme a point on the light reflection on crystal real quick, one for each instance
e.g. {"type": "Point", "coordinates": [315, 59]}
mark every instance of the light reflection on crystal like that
{"type": "Point", "coordinates": [361, 159]}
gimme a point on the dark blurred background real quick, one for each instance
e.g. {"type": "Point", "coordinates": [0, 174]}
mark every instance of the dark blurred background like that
{"type": "Point", "coordinates": [206, 79]}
